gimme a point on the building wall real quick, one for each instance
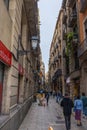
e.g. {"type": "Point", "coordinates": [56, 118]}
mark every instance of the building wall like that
{"type": "Point", "coordinates": [82, 58]}
{"type": "Point", "coordinates": [82, 17]}
{"type": "Point", "coordinates": [5, 21]}
{"type": "Point", "coordinates": [5, 37]}
{"type": "Point", "coordinates": [15, 10]}
{"type": "Point", "coordinates": [15, 24]}
{"type": "Point", "coordinates": [17, 81]}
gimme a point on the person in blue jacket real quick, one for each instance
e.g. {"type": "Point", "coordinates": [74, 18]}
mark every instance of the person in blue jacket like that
{"type": "Point", "coordinates": [78, 105]}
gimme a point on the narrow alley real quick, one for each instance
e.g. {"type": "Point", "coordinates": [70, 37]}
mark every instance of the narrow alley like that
{"type": "Point", "coordinates": [41, 118]}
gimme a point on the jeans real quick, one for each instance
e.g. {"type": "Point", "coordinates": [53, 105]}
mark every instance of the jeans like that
{"type": "Point", "coordinates": [68, 122]}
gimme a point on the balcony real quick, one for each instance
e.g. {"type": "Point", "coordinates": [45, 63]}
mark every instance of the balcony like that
{"type": "Point", "coordinates": [59, 55]}
{"type": "Point", "coordinates": [70, 3]}
{"type": "Point", "coordinates": [64, 18]}
{"type": "Point", "coordinates": [82, 48]}
{"type": "Point", "coordinates": [56, 75]}
{"type": "Point", "coordinates": [32, 15]}
{"type": "Point", "coordinates": [59, 40]}
{"type": "Point", "coordinates": [75, 40]}
{"type": "Point", "coordinates": [64, 53]}
{"type": "Point", "coordinates": [83, 5]}
{"type": "Point", "coordinates": [64, 3]}
{"type": "Point", "coordinates": [72, 19]}
{"type": "Point", "coordinates": [64, 35]}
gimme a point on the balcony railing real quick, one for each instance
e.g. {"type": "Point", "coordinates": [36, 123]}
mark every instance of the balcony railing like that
{"type": "Point", "coordinates": [83, 5]}
{"type": "Point", "coordinates": [64, 35]}
{"type": "Point", "coordinates": [75, 40]}
{"type": "Point", "coordinates": [64, 18]}
{"type": "Point", "coordinates": [72, 19]}
{"type": "Point", "coordinates": [59, 55]}
{"type": "Point", "coordinates": [82, 48]}
{"type": "Point", "coordinates": [70, 3]}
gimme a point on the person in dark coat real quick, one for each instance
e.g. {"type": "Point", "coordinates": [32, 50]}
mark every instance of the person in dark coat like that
{"type": "Point", "coordinates": [47, 97]}
{"type": "Point", "coordinates": [67, 105]}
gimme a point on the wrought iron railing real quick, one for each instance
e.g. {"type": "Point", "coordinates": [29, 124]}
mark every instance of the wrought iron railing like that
{"type": "Point", "coordinates": [72, 18]}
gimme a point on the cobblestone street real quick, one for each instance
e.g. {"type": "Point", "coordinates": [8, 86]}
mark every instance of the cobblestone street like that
{"type": "Point", "coordinates": [40, 118]}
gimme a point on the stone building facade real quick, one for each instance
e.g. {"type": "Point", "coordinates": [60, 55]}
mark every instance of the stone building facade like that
{"type": "Point", "coordinates": [72, 75]}
{"type": "Point", "coordinates": [18, 25]}
{"type": "Point", "coordinates": [71, 31]}
{"type": "Point", "coordinates": [56, 62]}
{"type": "Point", "coordinates": [82, 48]}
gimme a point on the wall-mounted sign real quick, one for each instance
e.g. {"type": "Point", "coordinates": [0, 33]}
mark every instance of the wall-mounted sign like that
{"type": "Point", "coordinates": [5, 54]}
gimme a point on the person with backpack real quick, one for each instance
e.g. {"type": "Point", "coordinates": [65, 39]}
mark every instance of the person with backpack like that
{"type": "Point", "coordinates": [67, 105]}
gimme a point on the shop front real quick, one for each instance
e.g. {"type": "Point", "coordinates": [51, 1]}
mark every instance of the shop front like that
{"type": "Point", "coordinates": [5, 59]}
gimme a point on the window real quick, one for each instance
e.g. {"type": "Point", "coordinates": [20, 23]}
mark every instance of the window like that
{"type": "Point", "coordinates": [7, 3]}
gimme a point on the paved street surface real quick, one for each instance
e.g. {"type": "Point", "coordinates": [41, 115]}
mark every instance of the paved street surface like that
{"type": "Point", "coordinates": [40, 118]}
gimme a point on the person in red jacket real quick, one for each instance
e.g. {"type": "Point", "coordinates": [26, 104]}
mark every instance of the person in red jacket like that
{"type": "Point", "coordinates": [67, 105]}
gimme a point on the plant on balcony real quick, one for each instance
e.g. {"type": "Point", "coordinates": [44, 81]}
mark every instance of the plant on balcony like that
{"type": "Point", "coordinates": [69, 43]}
{"type": "Point", "coordinates": [71, 37]}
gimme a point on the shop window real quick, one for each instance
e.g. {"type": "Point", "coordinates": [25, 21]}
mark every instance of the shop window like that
{"type": "Point", "coordinates": [7, 3]}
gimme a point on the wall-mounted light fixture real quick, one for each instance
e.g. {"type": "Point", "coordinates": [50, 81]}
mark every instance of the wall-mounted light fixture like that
{"type": "Point", "coordinates": [34, 42]}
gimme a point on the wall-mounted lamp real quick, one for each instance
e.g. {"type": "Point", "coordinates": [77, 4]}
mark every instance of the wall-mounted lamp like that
{"type": "Point", "coordinates": [34, 42]}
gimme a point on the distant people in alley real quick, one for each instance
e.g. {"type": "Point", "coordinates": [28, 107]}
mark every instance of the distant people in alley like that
{"type": "Point", "coordinates": [67, 105]}
{"type": "Point", "coordinates": [59, 97]}
{"type": "Point", "coordinates": [84, 100]}
{"type": "Point", "coordinates": [78, 105]}
{"type": "Point", "coordinates": [47, 97]}
{"type": "Point", "coordinates": [54, 93]}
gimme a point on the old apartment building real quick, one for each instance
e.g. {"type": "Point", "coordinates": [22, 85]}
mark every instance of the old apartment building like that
{"type": "Point", "coordinates": [19, 28]}
{"type": "Point", "coordinates": [70, 36]}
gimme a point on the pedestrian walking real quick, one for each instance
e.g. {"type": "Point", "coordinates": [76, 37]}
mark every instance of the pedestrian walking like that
{"type": "Point", "coordinates": [84, 100]}
{"type": "Point", "coordinates": [78, 105]}
{"type": "Point", "coordinates": [67, 105]}
{"type": "Point", "coordinates": [47, 98]}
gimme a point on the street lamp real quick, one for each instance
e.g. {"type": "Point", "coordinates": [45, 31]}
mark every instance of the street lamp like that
{"type": "Point", "coordinates": [34, 41]}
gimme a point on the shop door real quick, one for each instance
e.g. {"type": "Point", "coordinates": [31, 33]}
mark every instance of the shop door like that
{"type": "Point", "coordinates": [1, 82]}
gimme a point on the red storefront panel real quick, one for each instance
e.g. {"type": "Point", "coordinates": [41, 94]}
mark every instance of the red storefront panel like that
{"type": "Point", "coordinates": [5, 54]}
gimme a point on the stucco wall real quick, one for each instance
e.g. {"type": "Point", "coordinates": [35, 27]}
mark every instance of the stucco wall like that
{"type": "Point", "coordinates": [5, 25]}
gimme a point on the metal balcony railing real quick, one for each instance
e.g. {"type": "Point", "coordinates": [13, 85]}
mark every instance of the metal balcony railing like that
{"type": "Point", "coordinates": [59, 55]}
{"type": "Point", "coordinates": [83, 5]}
{"type": "Point", "coordinates": [82, 47]}
{"type": "Point", "coordinates": [70, 3]}
{"type": "Point", "coordinates": [64, 18]}
{"type": "Point", "coordinates": [64, 35]}
{"type": "Point", "coordinates": [72, 18]}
